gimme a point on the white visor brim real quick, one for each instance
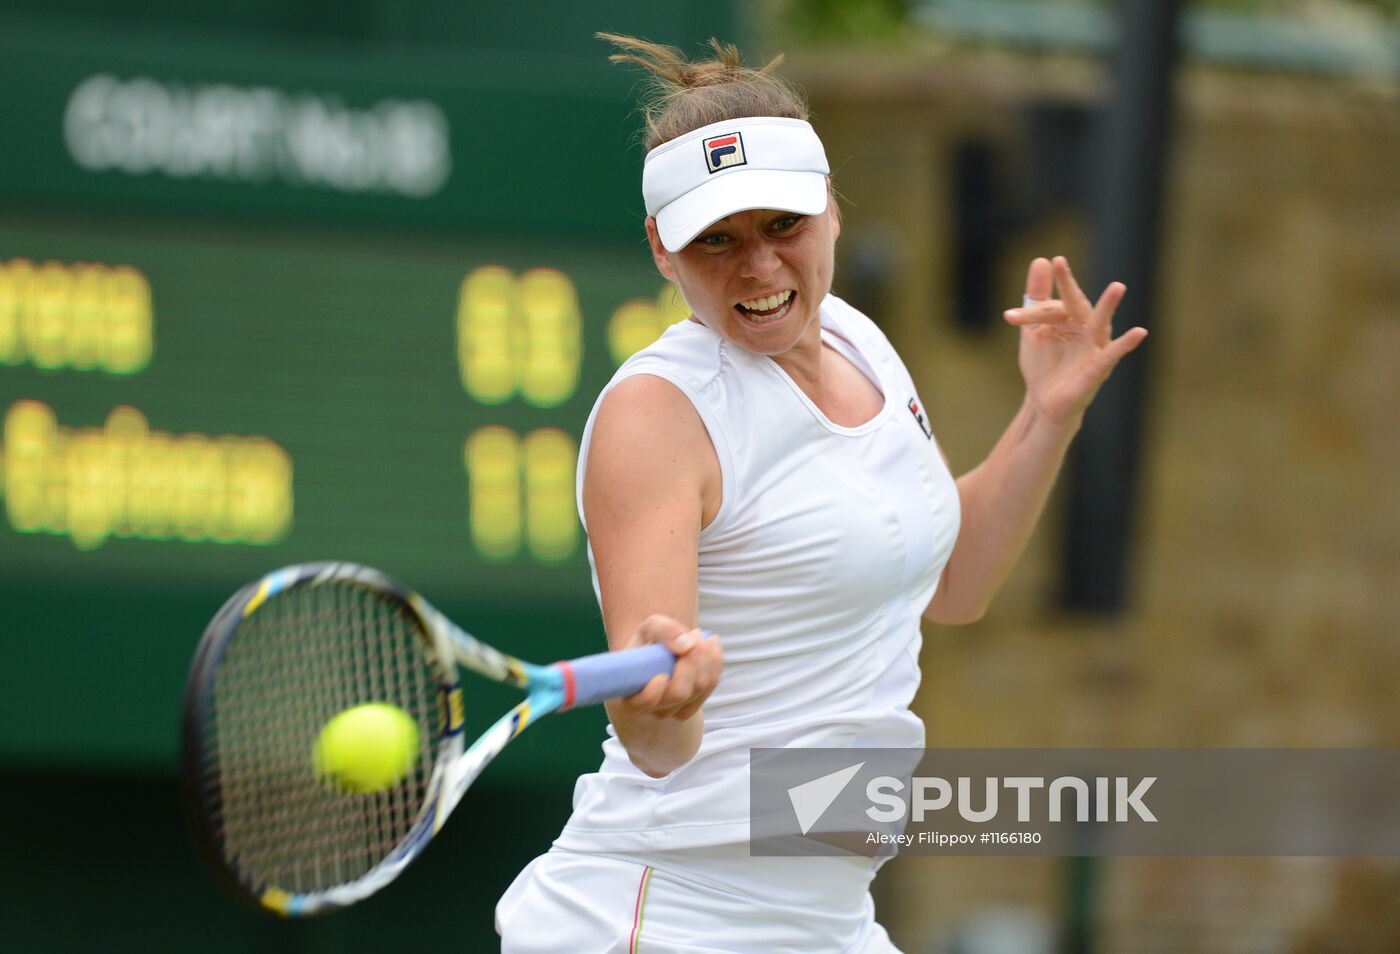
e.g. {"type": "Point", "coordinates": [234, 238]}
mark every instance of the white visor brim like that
{"type": "Point", "coordinates": [743, 189]}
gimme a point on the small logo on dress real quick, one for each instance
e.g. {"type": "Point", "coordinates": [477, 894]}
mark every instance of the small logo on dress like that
{"type": "Point", "coordinates": [724, 151]}
{"type": "Point", "coordinates": [918, 413]}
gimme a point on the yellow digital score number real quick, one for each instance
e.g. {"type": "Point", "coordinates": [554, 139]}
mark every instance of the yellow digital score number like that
{"type": "Point", "coordinates": [639, 322]}
{"type": "Point", "coordinates": [493, 480]}
{"type": "Point", "coordinates": [551, 523]}
{"type": "Point", "coordinates": [519, 336]}
{"type": "Point", "coordinates": [522, 336]}
{"type": "Point", "coordinates": [80, 315]}
{"type": "Point", "coordinates": [521, 492]}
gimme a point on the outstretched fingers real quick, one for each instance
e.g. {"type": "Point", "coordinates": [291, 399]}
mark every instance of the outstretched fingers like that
{"type": "Point", "coordinates": [1108, 303]}
{"type": "Point", "coordinates": [1052, 312]}
{"type": "Point", "coordinates": [1040, 279]}
{"type": "Point", "coordinates": [1069, 288]}
{"type": "Point", "coordinates": [1098, 316]}
{"type": "Point", "coordinates": [1117, 349]}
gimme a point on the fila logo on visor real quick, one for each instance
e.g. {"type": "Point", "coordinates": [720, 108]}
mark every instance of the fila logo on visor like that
{"type": "Point", "coordinates": [724, 151]}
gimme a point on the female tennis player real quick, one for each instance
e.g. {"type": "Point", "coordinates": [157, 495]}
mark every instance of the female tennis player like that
{"type": "Point", "coordinates": [767, 471]}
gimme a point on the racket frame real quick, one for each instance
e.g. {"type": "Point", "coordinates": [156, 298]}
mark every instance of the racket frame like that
{"type": "Point", "coordinates": [558, 686]}
{"type": "Point", "coordinates": [199, 796]}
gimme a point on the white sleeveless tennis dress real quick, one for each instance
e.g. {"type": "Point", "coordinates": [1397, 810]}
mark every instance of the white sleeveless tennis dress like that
{"type": "Point", "coordinates": [827, 547]}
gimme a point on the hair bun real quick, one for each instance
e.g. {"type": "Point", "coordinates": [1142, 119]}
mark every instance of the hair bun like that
{"type": "Point", "coordinates": [689, 94]}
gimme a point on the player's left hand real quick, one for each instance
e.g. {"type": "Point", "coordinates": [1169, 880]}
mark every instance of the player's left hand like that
{"type": "Point", "coordinates": [1067, 344]}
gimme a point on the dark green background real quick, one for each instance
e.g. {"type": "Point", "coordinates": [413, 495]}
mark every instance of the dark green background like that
{"type": "Point", "coordinates": [342, 349]}
{"type": "Point", "coordinates": [324, 321]}
{"type": "Point", "coordinates": [543, 129]}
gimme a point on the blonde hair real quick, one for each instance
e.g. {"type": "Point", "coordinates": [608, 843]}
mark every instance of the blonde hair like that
{"type": "Point", "coordinates": [686, 94]}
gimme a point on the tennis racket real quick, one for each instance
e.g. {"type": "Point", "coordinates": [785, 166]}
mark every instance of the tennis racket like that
{"type": "Point", "coordinates": [287, 653]}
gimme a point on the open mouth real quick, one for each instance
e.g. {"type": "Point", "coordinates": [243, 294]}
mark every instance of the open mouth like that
{"type": "Point", "coordinates": [769, 308]}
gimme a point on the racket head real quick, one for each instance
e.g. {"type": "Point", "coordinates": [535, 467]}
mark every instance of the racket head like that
{"type": "Point", "coordinates": [280, 658]}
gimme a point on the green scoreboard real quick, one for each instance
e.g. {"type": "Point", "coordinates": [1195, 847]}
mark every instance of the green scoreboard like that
{"type": "Point", "coordinates": [260, 310]}
{"type": "Point", "coordinates": [193, 404]}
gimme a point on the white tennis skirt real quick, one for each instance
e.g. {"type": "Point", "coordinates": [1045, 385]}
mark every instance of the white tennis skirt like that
{"type": "Point", "coordinates": [692, 901]}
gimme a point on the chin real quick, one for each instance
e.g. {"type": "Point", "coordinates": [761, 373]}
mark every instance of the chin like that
{"type": "Point", "coordinates": [796, 328]}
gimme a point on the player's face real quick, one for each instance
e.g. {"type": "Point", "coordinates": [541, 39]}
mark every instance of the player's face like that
{"type": "Point", "coordinates": [757, 277]}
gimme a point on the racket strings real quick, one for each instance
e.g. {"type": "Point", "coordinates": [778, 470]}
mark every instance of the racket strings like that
{"type": "Point", "coordinates": [406, 675]}
{"type": "Point", "coordinates": [304, 656]}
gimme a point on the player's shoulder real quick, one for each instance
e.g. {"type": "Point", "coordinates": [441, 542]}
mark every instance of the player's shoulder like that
{"type": "Point", "coordinates": [643, 394]}
{"type": "Point", "coordinates": [645, 428]}
{"type": "Point", "coordinates": [649, 405]}
{"type": "Point", "coordinates": [661, 402]}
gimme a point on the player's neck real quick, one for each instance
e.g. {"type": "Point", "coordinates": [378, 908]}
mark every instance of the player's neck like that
{"type": "Point", "coordinates": [803, 363]}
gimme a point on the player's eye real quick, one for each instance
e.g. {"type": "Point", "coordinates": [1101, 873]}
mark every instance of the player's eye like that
{"type": "Point", "coordinates": [786, 223]}
{"type": "Point", "coordinates": [712, 239]}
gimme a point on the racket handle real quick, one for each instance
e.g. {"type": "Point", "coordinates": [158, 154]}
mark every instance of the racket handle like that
{"type": "Point", "coordinates": [592, 679]}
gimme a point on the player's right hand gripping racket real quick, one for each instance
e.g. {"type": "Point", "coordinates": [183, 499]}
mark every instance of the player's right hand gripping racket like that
{"type": "Point", "coordinates": [287, 653]}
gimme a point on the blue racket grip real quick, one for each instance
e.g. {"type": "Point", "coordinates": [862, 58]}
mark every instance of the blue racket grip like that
{"type": "Point", "coordinates": [592, 679]}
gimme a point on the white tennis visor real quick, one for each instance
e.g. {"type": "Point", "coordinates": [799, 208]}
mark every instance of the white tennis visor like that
{"type": "Point", "coordinates": [762, 162]}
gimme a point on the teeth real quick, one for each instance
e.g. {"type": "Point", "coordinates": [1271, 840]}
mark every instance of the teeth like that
{"type": "Point", "coordinates": [767, 304]}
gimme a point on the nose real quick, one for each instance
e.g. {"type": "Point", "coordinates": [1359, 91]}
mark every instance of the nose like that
{"type": "Point", "coordinates": [760, 259]}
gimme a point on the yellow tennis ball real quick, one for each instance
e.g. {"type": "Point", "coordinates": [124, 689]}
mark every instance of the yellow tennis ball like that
{"type": "Point", "coordinates": [367, 748]}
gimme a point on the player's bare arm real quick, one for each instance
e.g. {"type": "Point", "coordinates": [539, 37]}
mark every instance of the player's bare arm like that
{"type": "Point", "coordinates": [1067, 351]}
{"type": "Point", "coordinates": [652, 482]}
